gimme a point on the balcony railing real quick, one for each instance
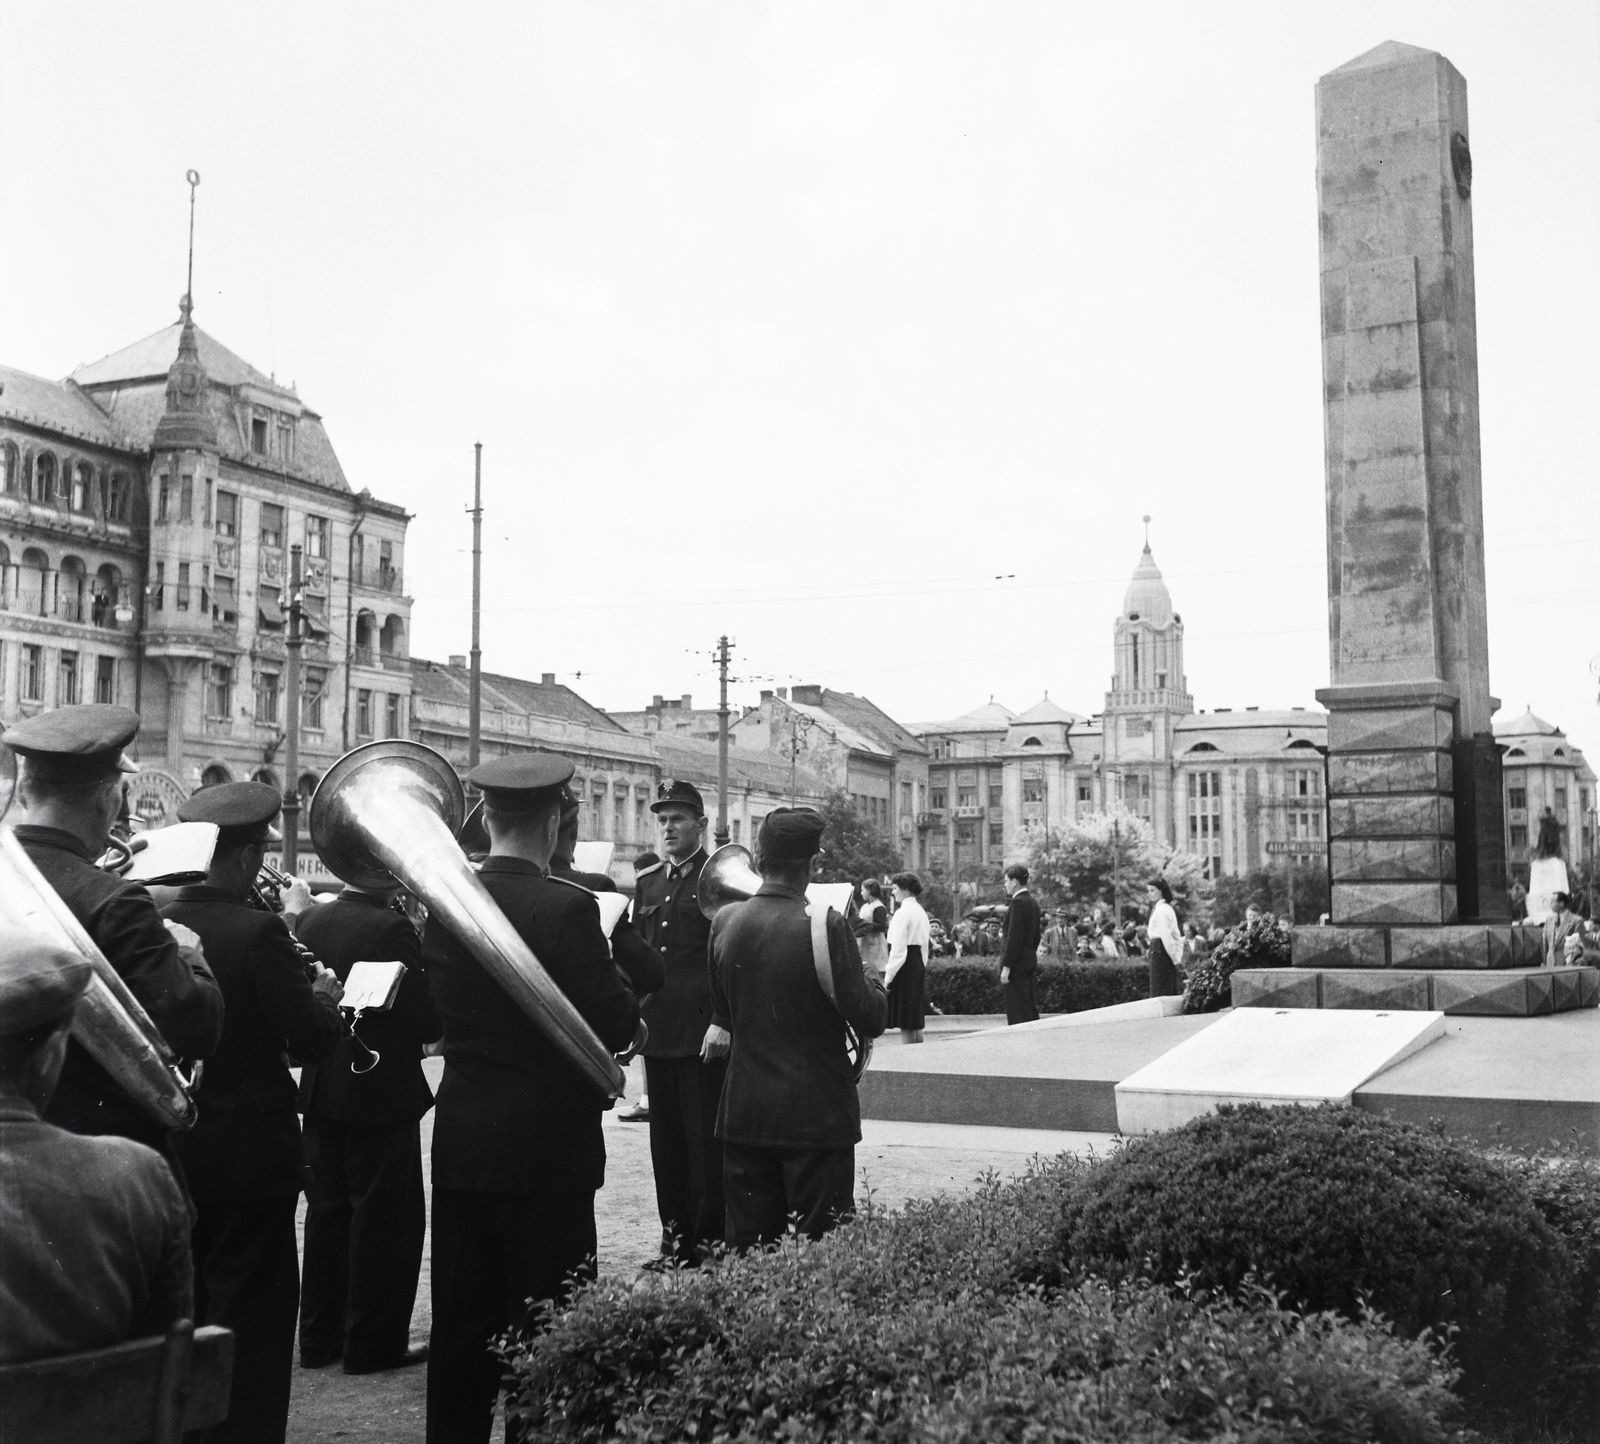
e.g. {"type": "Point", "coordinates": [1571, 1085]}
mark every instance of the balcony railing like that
{"type": "Point", "coordinates": [379, 579]}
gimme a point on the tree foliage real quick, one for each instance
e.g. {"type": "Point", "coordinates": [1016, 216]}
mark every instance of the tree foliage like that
{"type": "Point", "coordinates": [852, 847]}
{"type": "Point", "coordinates": [1268, 888]}
{"type": "Point", "coordinates": [1109, 855]}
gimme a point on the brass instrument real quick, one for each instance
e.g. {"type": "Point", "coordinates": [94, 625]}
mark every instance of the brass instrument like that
{"type": "Point", "coordinates": [730, 876]}
{"type": "Point", "coordinates": [390, 811]}
{"type": "Point", "coordinates": [109, 1022]}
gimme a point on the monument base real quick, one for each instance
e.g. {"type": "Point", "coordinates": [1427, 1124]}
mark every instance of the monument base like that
{"type": "Point", "coordinates": [1461, 992]}
{"type": "Point", "coordinates": [1449, 945]}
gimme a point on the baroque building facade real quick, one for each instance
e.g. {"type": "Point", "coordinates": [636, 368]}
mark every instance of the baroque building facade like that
{"type": "Point", "coordinates": [151, 506]}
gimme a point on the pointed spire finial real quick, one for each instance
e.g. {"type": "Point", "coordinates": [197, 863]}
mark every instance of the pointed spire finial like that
{"type": "Point", "coordinates": [1147, 533]}
{"type": "Point", "coordinates": [186, 305]}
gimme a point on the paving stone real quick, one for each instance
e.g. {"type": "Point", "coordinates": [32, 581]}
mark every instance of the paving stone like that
{"type": "Point", "coordinates": [1370, 903]}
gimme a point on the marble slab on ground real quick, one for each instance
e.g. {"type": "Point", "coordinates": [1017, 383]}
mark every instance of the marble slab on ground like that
{"type": "Point", "coordinates": [1270, 1055]}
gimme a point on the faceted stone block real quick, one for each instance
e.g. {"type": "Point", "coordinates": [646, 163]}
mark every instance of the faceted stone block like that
{"type": "Point", "coordinates": [1422, 770]}
{"type": "Point", "coordinates": [1465, 945]}
{"type": "Point", "coordinates": [1541, 991]}
{"type": "Point", "coordinates": [1393, 859]}
{"type": "Point", "coordinates": [1370, 903]}
{"type": "Point", "coordinates": [1527, 946]}
{"type": "Point", "coordinates": [1432, 816]}
{"type": "Point", "coordinates": [1333, 947]}
{"type": "Point", "coordinates": [1588, 987]}
{"type": "Point", "coordinates": [1565, 990]}
{"type": "Point", "coordinates": [1276, 988]}
{"type": "Point", "coordinates": [1369, 729]}
{"type": "Point", "coordinates": [1404, 992]}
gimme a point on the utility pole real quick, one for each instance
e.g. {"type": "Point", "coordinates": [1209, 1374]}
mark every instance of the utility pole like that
{"type": "Point", "coordinates": [1116, 871]}
{"type": "Point", "coordinates": [291, 731]}
{"type": "Point", "coordinates": [722, 746]}
{"type": "Point", "coordinates": [798, 727]}
{"type": "Point", "coordinates": [475, 686]}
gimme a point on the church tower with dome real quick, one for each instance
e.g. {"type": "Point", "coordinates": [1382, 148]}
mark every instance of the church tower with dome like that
{"type": "Point", "coordinates": [1149, 693]}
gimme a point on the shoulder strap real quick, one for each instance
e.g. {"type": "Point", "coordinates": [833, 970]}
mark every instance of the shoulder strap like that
{"type": "Point", "coordinates": [821, 959]}
{"type": "Point", "coordinates": [646, 871]}
{"type": "Point", "coordinates": [567, 881]}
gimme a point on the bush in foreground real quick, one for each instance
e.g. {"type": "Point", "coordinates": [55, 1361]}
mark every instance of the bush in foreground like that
{"type": "Point", "coordinates": [1340, 1209]}
{"type": "Point", "coordinates": [943, 1322]}
{"type": "Point", "coordinates": [972, 985]}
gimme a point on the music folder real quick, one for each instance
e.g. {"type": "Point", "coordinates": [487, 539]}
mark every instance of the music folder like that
{"type": "Point", "coordinates": [372, 985]}
{"type": "Point", "coordinates": [172, 856]}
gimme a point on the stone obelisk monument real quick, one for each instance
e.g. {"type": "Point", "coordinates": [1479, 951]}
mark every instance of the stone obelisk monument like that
{"type": "Point", "coordinates": [1416, 824]}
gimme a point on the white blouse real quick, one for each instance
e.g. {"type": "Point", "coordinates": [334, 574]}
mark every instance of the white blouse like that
{"type": "Point", "coordinates": [908, 928]}
{"type": "Point", "coordinates": [1163, 924]}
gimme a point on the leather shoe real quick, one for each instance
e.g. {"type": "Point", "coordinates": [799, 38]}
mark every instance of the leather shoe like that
{"type": "Point", "coordinates": [416, 1354]}
{"type": "Point", "coordinates": [314, 1359]}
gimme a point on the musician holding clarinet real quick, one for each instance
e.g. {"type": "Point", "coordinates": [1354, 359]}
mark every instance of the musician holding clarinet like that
{"type": "Point", "coordinates": [244, 1158]}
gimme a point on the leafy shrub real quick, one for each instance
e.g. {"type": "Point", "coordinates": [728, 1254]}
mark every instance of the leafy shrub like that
{"type": "Point", "coordinates": [973, 985]}
{"type": "Point", "coordinates": [1339, 1208]}
{"type": "Point", "coordinates": [942, 1322]}
{"type": "Point", "coordinates": [1258, 944]}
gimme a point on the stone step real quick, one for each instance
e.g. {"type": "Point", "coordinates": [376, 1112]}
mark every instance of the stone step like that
{"type": "Point", "coordinates": [1489, 993]}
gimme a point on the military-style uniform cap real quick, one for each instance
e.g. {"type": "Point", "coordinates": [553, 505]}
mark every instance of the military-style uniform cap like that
{"type": "Point", "coordinates": [39, 981]}
{"type": "Point", "coordinates": [792, 833]}
{"type": "Point", "coordinates": [672, 791]}
{"type": "Point", "coordinates": [522, 783]}
{"type": "Point", "coordinates": [75, 744]}
{"type": "Point", "coordinates": [243, 810]}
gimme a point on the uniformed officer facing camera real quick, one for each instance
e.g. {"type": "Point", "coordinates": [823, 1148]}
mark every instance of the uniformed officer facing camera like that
{"type": "Point", "coordinates": [68, 797]}
{"type": "Point", "coordinates": [517, 1148]}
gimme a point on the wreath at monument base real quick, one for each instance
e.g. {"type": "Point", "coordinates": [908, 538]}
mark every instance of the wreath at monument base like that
{"type": "Point", "coordinates": [1258, 943]}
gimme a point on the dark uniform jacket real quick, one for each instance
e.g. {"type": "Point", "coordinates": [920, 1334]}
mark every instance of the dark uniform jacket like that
{"type": "Point", "coordinates": [246, 1144]}
{"type": "Point", "coordinates": [94, 1240]}
{"type": "Point", "coordinates": [183, 1000]}
{"type": "Point", "coordinates": [1023, 929]}
{"type": "Point", "coordinates": [640, 963]}
{"type": "Point", "coordinates": [513, 1115]}
{"type": "Point", "coordinates": [355, 929]}
{"type": "Point", "coordinates": [789, 1082]}
{"type": "Point", "coordinates": [669, 918]}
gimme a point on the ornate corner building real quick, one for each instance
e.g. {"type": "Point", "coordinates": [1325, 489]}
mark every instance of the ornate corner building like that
{"type": "Point", "coordinates": [148, 507]}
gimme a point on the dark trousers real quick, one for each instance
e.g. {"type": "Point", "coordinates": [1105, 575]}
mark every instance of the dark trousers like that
{"type": "Point", "coordinates": [1163, 971]}
{"type": "Point", "coordinates": [365, 1222]}
{"type": "Point", "coordinates": [684, 1151]}
{"type": "Point", "coordinates": [247, 1278]}
{"type": "Point", "coordinates": [493, 1254]}
{"type": "Point", "coordinates": [1019, 995]}
{"type": "Point", "coordinates": [766, 1187]}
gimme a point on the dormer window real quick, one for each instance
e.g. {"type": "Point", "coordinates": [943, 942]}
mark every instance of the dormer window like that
{"type": "Point", "coordinates": [258, 435]}
{"type": "Point", "coordinates": [285, 439]}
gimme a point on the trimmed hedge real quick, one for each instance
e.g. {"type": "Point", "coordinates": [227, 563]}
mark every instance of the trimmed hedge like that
{"type": "Point", "coordinates": [940, 1322]}
{"type": "Point", "coordinates": [1341, 1209]}
{"type": "Point", "coordinates": [972, 985]}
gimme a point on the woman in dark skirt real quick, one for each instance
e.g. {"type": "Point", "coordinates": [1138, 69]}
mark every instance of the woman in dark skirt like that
{"type": "Point", "coordinates": [906, 974]}
{"type": "Point", "coordinates": [1166, 942]}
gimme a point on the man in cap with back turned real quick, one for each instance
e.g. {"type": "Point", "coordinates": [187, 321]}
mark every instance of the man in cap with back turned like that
{"type": "Point", "coordinates": [686, 1054]}
{"type": "Point", "coordinates": [517, 1148]}
{"type": "Point", "coordinates": [785, 980]}
{"type": "Point", "coordinates": [69, 794]}
{"type": "Point", "coordinates": [243, 1157]}
{"type": "Point", "coordinates": [94, 1247]}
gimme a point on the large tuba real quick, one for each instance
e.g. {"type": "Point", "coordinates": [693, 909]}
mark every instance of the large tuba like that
{"type": "Point", "coordinates": [109, 1022]}
{"type": "Point", "coordinates": [390, 811]}
{"type": "Point", "coordinates": [729, 876]}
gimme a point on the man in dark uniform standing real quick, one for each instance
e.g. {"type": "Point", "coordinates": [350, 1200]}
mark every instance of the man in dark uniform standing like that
{"type": "Point", "coordinates": [365, 1213]}
{"type": "Point", "coordinates": [1019, 956]}
{"type": "Point", "coordinates": [686, 1054]}
{"type": "Point", "coordinates": [69, 796]}
{"type": "Point", "coordinates": [243, 1157]}
{"type": "Point", "coordinates": [517, 1148]}
{"type": "Point", "coordinates": [785, 982]}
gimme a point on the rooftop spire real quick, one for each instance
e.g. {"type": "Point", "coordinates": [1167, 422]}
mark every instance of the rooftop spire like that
{"type": "Point", "coordinates": [187, 422]}
{"type": "Point", "coordinates": [186, 305]}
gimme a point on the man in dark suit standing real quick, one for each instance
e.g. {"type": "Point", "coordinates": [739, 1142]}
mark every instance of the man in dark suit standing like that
{"type": "Point", "coordinates": [517, 1147]}
{"type": "Point", "coordinates": [686, 1054]}
{"type": "Point", "coordinates": [1019, 957]}
{"type": "Point", "coordinates": [244, 1158]}
{"type": "Point", "coordinates": [365, 1214]}
{"type": "Point", "coordinates": [69, 795]}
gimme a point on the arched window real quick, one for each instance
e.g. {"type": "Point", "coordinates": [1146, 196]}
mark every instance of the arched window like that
{"type": "Point", "coordinates": [308, 785]}
{"type": "Point", "coordinates": [82, 487]}
{"type": "Point", "coordinates": [30, 582]}
{"type": "Point", "coordinates": [120, 502]}
{"type": "Point", "coordinates": [10, 466]}
{"type": "Point", "coordinates": [1032, 742]}
{"type": "Point", "coordinates": [265, 774]}
{"type": "Point", "coordinates": [1516, 752]}
{"type": "Point", "coordinates": [44, 477]}
{"type": "Point", "coordinates": [215, 775]}
{"type": "Point", "coordinates": [5, 576]}
{"type": "Point", "coordinates": [1205, 747]}
{"type": "Point", "coordinates": [69, 589]}
{"type": "Point", "coordinates": [1303, 744]}
{"type": "Point", "coordinates": [392, 640]}
{"type": "Point", "coordinates": [107, 593]}
{"type": "Point", "coordinates": [366, 622]}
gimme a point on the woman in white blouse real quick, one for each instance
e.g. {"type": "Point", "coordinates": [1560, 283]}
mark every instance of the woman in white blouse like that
{"type": "Point", "coordinates": [1166, 941]}
{"type": "Point", "coordinates": [906, 974]}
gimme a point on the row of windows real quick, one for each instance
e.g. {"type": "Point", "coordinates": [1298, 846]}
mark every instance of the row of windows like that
{"type": "Point", "coordinates": [68, 593]}
{"type": "Point", "coordinates": [76, 486]}
{"type": "Point", "coordinates": [177, 504]}
{"type": "Point", "coordinates": [79, 676]}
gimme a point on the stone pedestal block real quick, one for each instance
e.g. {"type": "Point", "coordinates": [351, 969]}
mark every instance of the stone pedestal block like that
{"type": "Point", "coordinates": [1384, 729]}
{"type": "Point", "coordinates": [1464, 946]}
{"type": "Point", "coordinates": [1367, 904]}
{"type": "Point", "coordinates": [1393, 859]}
{"type": "Point", "coordinates": [1357, 817]}
{"type": "Point", "coordinates": [1419, 770]}
{"type": "Point", "coordinates": [1376, 988]}
{"type": "Point", "coordinates": [1330, 947]}
{"type": "Point", "coordinates": [1485, 992]}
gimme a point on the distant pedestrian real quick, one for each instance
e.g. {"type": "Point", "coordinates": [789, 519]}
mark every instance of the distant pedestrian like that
{"type": "Point", "coordinates": [1519, 903]}
{"type": "Point", "coordinates": [1166, 941]}
{"type": "Point", "coordinates": [1019, 962]}
{"type": "Point", "coordinates": [908, 948]}
{"type": "Point", "coordinates": [872, 925]}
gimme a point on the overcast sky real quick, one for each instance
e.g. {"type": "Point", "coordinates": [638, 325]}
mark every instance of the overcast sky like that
{"type": "Point", "coordinates": [865, 333]}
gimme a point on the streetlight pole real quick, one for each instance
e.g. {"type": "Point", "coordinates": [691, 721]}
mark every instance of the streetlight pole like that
{"type": "Point", "coordinates": [722, 746]}
{"type": "Point", "coordinates": [291, 731]}
{"type": "Point", "coordinates": [475, 683]}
